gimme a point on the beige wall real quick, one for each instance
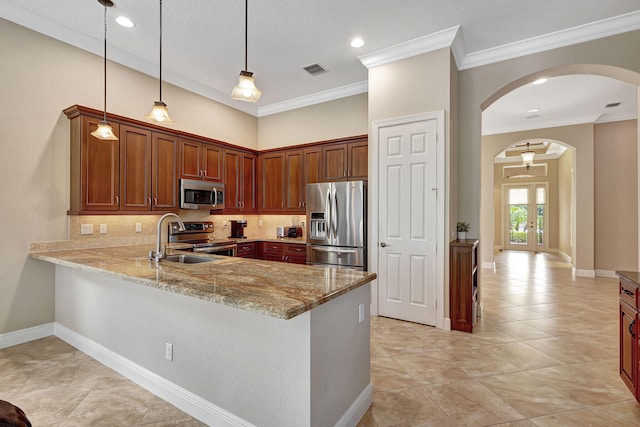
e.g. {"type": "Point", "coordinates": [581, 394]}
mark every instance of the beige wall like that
{"type": "Point", "coordinates": [616, 196]}
{"type": "Point", "coordinates": [566, 232]}
{"type": "Point", "coordinates": [40, 77]}
{"type": "Point", "coordinates": [320, 122]}
{"type": "Point", "coordinates": [551, 232]}
{"type": "Point", "coordinates": [613, 56]}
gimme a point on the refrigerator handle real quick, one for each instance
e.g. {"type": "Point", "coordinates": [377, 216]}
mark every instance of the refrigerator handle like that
{"type": "Point", "coordinates": [335, 216]}
{"type": "Point", "coordinates": [328, 209]}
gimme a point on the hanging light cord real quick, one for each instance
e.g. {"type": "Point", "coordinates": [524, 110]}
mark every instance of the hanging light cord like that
{"type": "Point", "coordinates": [105, 62]}
{"type": "Point", "coordinates": [160, 50]}
{"type": "Point", "coordinates": [246, 25]}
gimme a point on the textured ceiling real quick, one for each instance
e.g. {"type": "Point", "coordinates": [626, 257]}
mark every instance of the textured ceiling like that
{"type": "Point", "coordinates": [203, 40]}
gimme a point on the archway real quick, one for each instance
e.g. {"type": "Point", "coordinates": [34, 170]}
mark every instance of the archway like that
{"type": "Point", "coordinates": [575, 135]}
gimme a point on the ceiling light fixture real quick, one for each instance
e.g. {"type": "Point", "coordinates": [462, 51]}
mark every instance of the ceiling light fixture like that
{"type": "Point", "coordinates": [159, 113]}
{"type": "Point", "coordinates": [533, 110]}
{"type": "Point", "coordinates": [540, 81]}
{"type": "Point", "coordinates": [125, 22]}
{"type": "Point", "coordinates": [357, 42]}
{"type": "Point", "coordinates": [246, 89]}
{"type": "Point", "coordinates": [104, 130]}
{"type": "Point", "coordinates": [527, 157]}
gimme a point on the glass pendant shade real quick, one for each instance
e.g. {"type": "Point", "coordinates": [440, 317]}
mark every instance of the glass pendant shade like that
{"type": "Point", "coordinates": [527, 157]}
{"type": "Point", "coordinates": [104, 131]}
{"type": "Point", "coordinates": [159, 114]}
{"type": "Point", "coordinates": [246, 89]}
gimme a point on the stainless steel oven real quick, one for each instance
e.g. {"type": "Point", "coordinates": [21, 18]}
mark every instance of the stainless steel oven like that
{"type": "Point", "coordinates": [198, 237]}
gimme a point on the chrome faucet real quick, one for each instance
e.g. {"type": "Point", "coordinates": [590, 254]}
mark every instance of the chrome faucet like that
{"type": "Point", "coordinates": [158, 255]}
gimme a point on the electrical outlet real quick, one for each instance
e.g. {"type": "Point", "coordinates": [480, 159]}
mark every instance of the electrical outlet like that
{"type": "Point", "coordinates": [361, 313]}
{"type": "Point", "coordinates": [224, 223]}
{"type": "Point", "coordinates": [103, 228]}
{"type": "Point", "coordinates": [168, 352]}
{"type": "Point", "coordinates": [86, 229]}
{"type": "Point", "coordinates": [138, 227]}
{"type": "Point", "coordinates": [259, 223]}
{"type": "Point", "coordinates": [302, 224]}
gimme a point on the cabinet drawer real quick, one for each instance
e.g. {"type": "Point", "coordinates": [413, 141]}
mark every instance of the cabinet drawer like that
{"type": "Point", "coordinates": [273, 248]}
{"type": "Point", "coordinates": [296, 250]}
{"type": "Point", "coordinates": [246, 250]}
{"type": "Point", "coordinates": [629, 293]}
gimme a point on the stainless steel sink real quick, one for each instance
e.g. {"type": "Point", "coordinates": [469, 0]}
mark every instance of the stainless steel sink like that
{"type": "Point", "coordinates": [187, 259]}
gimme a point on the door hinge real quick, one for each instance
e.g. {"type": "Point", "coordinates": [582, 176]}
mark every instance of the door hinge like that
{"type": "Point", "coordinates": [436, 137]}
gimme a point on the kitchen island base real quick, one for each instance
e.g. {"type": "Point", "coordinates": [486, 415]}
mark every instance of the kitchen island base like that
{"type": "Point", "coordinates": [252, 369]}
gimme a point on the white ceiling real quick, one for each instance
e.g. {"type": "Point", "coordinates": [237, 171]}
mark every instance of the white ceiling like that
{"type": "Point", "coordinates": [203, 43]}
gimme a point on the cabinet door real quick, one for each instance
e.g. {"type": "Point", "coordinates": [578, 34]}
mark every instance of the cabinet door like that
{"type": "Point", "coordinates": [232, 179]}
{"type": "Point", "coordinates": [312, 167]}
{"type": "Point", "coordinates": [135, 168]}
{"type": "Point", "coordinates": [294, 181]}
{"type": "Point", "coordinates": [212, 162]}
{"type": "Point", "coordinates": [248, 200]}
{"type": "Point", "coordinates": [272, 173]}
{"type": "Point", "coordinates": [100, 161]}
{"type": "Point", "coordinates": [629, 346]}
{"type": "Point", "coordinates": [164, 169]}
{"type": "Point", "coordinates": [334, 159]}
{"type": "Point", "coordinates": [358, 155]}
{"type": "Point", "coordinates": [190, 159]}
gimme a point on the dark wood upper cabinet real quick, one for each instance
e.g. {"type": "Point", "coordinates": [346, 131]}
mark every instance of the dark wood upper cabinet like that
{"type": "Point", "coordinates": [272, 182]}
{"type": "Point", "coordinates": [239, 181]}
{"type": "Point", "coordinates": [312, 165]}
{"type": "Point", "coordinates": [164, 172]}
{"type": "Point", "coordinates": [347, 161]}
{"type": "Point", "coordinates": [294, 181]}
{"type": "Point", "coordinates": [95, 168]}
{"type": "Point", "coordinates": [200, 160]}
{"type": "Point", "coordinates": [135, 168]}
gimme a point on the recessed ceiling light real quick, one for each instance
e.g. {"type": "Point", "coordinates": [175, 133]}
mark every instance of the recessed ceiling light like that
{"type": "Point", "coordinates": [540, 81]}
{"type": "Point", "coordinates": [357, 42]}
{"type": "Point", "coordinates": [533, 110]}
{"type": "Point", "coordinates": [125, 22]}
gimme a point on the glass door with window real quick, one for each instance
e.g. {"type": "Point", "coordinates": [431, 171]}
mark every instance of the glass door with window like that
{"type": "Point", "coordinates": [525, 217]}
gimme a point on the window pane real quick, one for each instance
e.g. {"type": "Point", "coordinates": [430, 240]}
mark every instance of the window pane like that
{"type": "Point", "coordinates": [518, 196]}
{"type": "Point", "coordinates": [518, 224]}
{"type": "Point", "coordinates": [540, 196]}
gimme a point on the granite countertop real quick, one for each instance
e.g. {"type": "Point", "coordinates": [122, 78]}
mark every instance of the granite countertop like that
{"type": "Point", "coordinates": [274, 289]}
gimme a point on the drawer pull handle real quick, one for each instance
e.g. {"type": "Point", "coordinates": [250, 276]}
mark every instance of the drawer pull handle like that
{"type": "Point", "coordinates": [628, 292]}
{"type": "Point", "coordinates": [631, 325]}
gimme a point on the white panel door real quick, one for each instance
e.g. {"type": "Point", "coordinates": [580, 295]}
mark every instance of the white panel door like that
{"type": "Point", "coordinates": [407, 221]}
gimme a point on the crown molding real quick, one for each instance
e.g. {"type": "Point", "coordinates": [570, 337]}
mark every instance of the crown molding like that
{"type": "Point", "coordinates": [316, 98]}
{"type": "Point", "coordinates": [582, 33]}
{"type": "Point", "coordinates": [420, 45]}
{"type": "Point", "coordinates": [618, 117]}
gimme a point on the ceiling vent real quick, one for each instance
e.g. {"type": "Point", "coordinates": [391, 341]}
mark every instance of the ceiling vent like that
{"type": "Point", "coordinates": [613, 104]}
{"type": "Point", "coordinates": [314, 69]}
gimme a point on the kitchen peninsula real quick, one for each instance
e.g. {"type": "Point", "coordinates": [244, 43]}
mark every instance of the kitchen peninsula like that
{"type": "Point", "coordinates": [231, 341]}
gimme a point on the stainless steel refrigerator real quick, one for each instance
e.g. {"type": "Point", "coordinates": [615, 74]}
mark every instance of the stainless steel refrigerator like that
{"type": "Point", "coordinates": [337, 224]}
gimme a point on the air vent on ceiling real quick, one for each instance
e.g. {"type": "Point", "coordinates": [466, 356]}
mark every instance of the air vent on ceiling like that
{"type": "Point", "coordinates": [314, 69]}
{"type": "Point", "coordinates": [533, 116]}
{"type": "Point", "coordinates": [613, 104]}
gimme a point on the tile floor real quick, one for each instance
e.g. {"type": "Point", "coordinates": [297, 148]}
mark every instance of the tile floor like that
{"type": "Point", "coordinates": [544, 353]}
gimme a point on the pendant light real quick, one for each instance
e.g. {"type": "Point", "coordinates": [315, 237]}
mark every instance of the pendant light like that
{"type": "Point", "coordinates": [246, 89]}
{"type": "Point", "coordinates": [159, 113]}
{"type": "Point", "coordinates": [104, 130]}
{"type": "Point", "coordinates": [527, 157]}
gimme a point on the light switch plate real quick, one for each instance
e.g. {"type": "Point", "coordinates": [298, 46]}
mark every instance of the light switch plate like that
{"type": "Point", "coordinates": [86, 229]}
{"type": "Point", "coordinates": [138, 227]}
{"type": "Point", "coordinates": [103, 228]}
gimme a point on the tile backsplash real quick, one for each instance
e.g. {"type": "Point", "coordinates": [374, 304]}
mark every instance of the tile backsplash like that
{"type": "Point", "coordinates": [121, 229]}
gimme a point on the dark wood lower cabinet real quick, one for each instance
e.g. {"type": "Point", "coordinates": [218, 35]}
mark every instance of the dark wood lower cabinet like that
{"type": "Point", "coordinates": [463, 284]}
{"type": "Point", "coordinates": [284, 252]}
{"type": "Point", "coordinates": [629, 330]}
{"type": "Point", "coordinates": [246, 250]}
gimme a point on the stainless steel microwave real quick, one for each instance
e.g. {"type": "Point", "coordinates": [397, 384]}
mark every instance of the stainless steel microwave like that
{"type": "Point", "coordinates": [201, 194]}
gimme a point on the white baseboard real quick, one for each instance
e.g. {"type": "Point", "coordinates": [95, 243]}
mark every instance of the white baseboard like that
{"type": "Point", "coordinates": [606, 273]}
{"type": "Point", "coordinates": [583, 273]}
{"type": "Point", "coordinates": [186, 401]}
{"type": "Point", "coordinates": [447, 324]}
{"type": "Point", "coordinates": [498, 248]}
{"type": "Point", "coordinates": [566, 257]}
{"type": "Point", "coordinates": [357, 409]}
{"type": "Point", "coordinates": [25, 335]}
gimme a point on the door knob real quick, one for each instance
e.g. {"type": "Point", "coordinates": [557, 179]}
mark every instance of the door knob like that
{"type": "Point", "coordinates": [383, 244]}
